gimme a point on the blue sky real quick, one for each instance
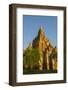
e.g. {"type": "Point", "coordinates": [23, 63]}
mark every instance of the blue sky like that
{"type": "Point", "coordinates": [32, 25]}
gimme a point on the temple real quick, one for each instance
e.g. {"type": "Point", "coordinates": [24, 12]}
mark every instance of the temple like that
{"type": "Point", "coordinates": [49, 59]}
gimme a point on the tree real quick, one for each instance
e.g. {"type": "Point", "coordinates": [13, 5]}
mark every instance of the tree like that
{"type": "Point", "coordinates": [31, 58]}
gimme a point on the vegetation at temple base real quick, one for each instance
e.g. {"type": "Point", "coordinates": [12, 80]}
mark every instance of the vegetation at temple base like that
{"type": "Point", "coordinates": [32, 61]}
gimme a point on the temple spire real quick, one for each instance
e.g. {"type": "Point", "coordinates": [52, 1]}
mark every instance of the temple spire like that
{"type": "Point", "coordinates": [42, 28]}
{"type": "Point", "coordinates": [41, 31]}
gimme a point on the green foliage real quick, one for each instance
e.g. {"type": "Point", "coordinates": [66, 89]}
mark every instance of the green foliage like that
{"type": "Point", "coordinates": [31, 57]}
